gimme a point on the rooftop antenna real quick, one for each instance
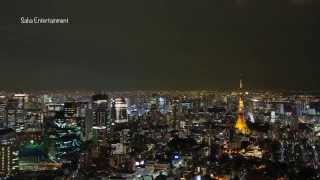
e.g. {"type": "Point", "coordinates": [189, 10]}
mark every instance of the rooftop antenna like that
{"type": "Point", "coordinates": [241, 83]}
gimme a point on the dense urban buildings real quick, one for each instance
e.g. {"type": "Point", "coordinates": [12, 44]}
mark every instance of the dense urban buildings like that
{"type": "Point", "coordinates": [238, 134]}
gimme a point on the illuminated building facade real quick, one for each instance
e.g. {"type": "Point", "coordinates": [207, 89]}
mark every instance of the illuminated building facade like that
{"type": "Point", "coordinates": [100, 117]}
{"type": "Point", "coordinates": [21, 100]}
{"type": "Point", "coordinates": [119, 110]}
{"type": "Point", "coordinates": [12, 107]}
{"type": "Point", "coordinates": [98, 125]}
{"type": "Point", "coordinates": [70, 111]}
{"type": "Point", "coordinates": [64, 139]}
{"type": "Point", "coordinates": [52, 109]}
{"type": "Point", "coordinates": [82, 107]}
{"type": "Point", "coordinates": [87, 125]}
{"type": "Point", "coordinates": [8, 153]}
{"type": "Point", "coordinates": [241, 125]}
{"type": "Point", "coordinates": [3, 115]}
{"type": "Point", "coordinates": [20, 120]}
{"type": "Point", "coordinates": [33, 119]}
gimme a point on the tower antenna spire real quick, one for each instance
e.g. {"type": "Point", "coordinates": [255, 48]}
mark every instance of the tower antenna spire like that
{"type": "Point", "coordinates": [241, 83]}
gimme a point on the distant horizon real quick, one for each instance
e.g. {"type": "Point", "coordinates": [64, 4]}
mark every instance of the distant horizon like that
{"type": "Point", "coordinates": [91, 90]}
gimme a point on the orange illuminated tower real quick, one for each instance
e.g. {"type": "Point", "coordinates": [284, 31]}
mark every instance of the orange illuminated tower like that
{"type": "Point", "coordinates": [241, 125]}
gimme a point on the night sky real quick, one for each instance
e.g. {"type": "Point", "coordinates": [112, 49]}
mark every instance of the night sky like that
{"type": "Point", "coordinates": [161, 44]}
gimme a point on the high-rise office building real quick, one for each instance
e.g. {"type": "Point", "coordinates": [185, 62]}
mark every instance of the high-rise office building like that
{"type": "Point", "coordinates": [100, 117]}
{"type": "Point", "coordinates": [11, 110]}
{"type": "Point", "coordinates": [63, 138]}
{"type": "Point", "coordinates": [8, 153]}
{"type": "Point", "coordinates": [3, 115]}
{"type": "Point", "coordinates": [70, 112]}
{"type": "Point", "coordinates": [15, 112]}
{"type": "Point", "coordinates": [20, 120]}
{"type": "Point", "coordinates": [87, 124]}
{"type": "Point", "coordinates": [119, 110]}
{"type": "Point", "coordinates": [21, 99]}
{"type": "Point", "coordinates": [52, 109]}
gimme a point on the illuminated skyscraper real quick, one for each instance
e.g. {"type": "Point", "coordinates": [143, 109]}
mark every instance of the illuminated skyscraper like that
{"type": "Point", "coordinates": [19, 106]}
{"type": "Point", "coordinates": [63, 138]}
{"type": "Point", "coordinates": [70, 111]}
{"type": "Point", "coordinates": [119, 113]}
{"type": "Point", "coordinates": [12, 106]}
{"type": "Point", "coordinates": [87, 124]}
{"type": "Point", "coordinates": [21, 99]}
{"type": "Point", "coordinates": [101, 125]}
{"type": "Point", "coordinates": [241, 124]}
{"type": "Point", "coordinates": [3, 115]}
{"type": "Point", "coordinates": [20, 120]}
{"type": "Point", "coordinates": [8, 153]}
{"type": "Point", "coordinates": [100, 117]}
